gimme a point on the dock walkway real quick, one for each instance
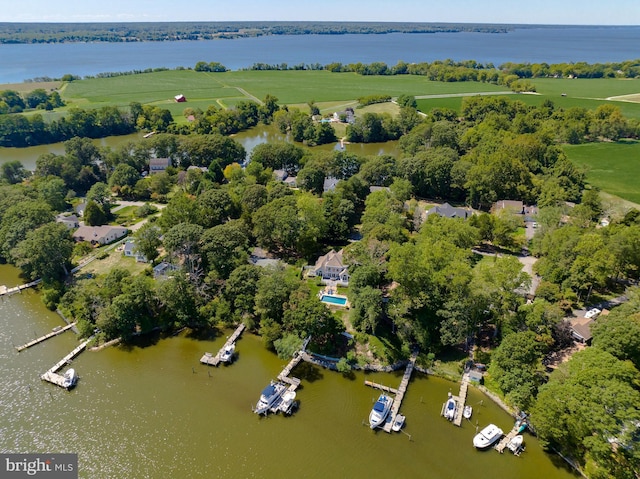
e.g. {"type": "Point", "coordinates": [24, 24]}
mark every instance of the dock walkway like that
{"type": "Point", "coordinates": [212, 360]}
{"type": "Point", "coordinates": [45, 337]}
{"type": "Point", "coordinates": [52, 374]}
{"type": "Point", "coordinates": [500, 447]}
{"type": "Point", "coordinates": [4, 291]}
{"type": "Point", "coordinates": [399, 393]}
{"type": "Point", "coordinates": [461, 399]}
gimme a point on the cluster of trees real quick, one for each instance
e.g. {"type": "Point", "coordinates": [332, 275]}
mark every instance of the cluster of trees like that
{"type": "Point", "coordinates": [176, 31]}
{"type": "Point", "coordinates": [12, 101]}
{"type": "Point", "coordinates": [17, 130]}
{"type": "Point", "coordinates": [590, 407]}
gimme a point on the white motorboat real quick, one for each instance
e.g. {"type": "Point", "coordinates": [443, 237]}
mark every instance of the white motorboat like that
{"type": "Point", "coordinates": [398, 423]}
{"type": "Point", "coordinates": [516, 444]}
{"type": "Point", "coordinates": [380, 411]}
{"type": "Point", "coordinates": [467, 412]}
{"type": "Point", "coordinates": [227, 353]}
{"type": "Point", "coordinates": [70, 378]}
{"type": "Point", "coordinates": [450, 409]}
{"type": "Point", "coordinates": [487, 436]}
{"type": "Point", "coordinates": [269, 396]}
{"type": "Point", "coordinates": [286, 405]}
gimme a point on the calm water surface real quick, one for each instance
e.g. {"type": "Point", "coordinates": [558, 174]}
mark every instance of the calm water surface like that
{"type": "Point", "coordinates": [152, 411]}
{"type": "Point", "coordinates": [249, 139]}
{"type": "Point", "coordinates": [541, 44]}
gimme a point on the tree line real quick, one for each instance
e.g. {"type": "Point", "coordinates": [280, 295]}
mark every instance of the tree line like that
{"type": "Point", "coordinates": [181, 31]}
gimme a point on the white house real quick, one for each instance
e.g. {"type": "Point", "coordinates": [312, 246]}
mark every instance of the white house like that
{"type": "Point", "coordinates": [70, 221]}
{"type": "Point", "coordinates": [331, 267]}
{"type": "Point", "coordinates": [130, 250]}
{"type": "Point", "coordinates": [100, 234]}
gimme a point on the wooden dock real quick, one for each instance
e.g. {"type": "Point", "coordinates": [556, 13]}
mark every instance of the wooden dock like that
{"type": "Point", "coordinates": [53, 333]}
{"type": "Point", "coordinates": [52, 374]}
{"type": "Point", "coordinates": [382, 387]}
{"type": "Point", "coordinates": [461, 399]}
{"type": "Point", "coordinates": [4, 291]}
{"type": "Point", "coordinates": [212, 360]}
{"type": "Point", "coordinates": [500, 447]}
{"type": "Point", "coordinates": [399, 393]}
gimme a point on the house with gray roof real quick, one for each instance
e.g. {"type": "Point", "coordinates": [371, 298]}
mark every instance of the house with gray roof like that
{"type": "Point", "coordinates": [448, 211]}
{"type": "Point", "coordinates": [100, 234]}
{"type": "Point", "coordinates": [158, 165]}
{"type": "Point", "coordinates": [70, 221]}
{"type": "Point", "coordinates": [330, 184]}
{"type": "Point", "coordinates": [131, 251]}
{"type": "Point", "coordinates": [331, 267]}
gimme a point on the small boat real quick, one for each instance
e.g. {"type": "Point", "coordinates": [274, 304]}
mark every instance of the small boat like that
{"type": "Point", "coordinates": [286, 405]}
{"type": "Point", "coordinates": [70, 378]}
{"type": "Point", "coordinates": [515, 445]}
{"type": "Point", "coordinates": [398, 423]}
{"type": "Point", "coordinates": [487, 436]}
{"type": "Point", "coordinates": [450, 409]}
{"type": "Point", "coordinates": [227, 353]}
{"type": "Point", "coordinates": [269, 396]}
{"type": "Point", "coordinates": [467, 412]}
{"type": "Point", "coordinates": [380, 411]}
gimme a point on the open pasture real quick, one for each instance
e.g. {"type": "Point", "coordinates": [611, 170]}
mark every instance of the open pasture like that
{"type": "Point", "coordinates": [290, 87]}
{"type": "Point", "coordinates": [612, 167]}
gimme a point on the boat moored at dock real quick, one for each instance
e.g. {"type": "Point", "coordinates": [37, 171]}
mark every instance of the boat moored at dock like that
{"type": "Point", "coordinates": [488, 436]}
{"type": "Point", "coordinates": [450, 408]}
{"type": "Point", "coordinates": [70, 378]}
{"type": "Point", "coordinates": [269, 396]}
{"type": "Point", "coordinates": [380, 411]}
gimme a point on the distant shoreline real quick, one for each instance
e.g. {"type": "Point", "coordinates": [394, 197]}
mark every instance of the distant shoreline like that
{"type": "Point", "coordinates": [126, 32]}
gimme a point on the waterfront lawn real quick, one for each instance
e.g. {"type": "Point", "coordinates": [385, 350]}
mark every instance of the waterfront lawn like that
{"type": "Point", "coordinates": [290, 87]}
{"type": "Point", "coordinates": [612, 167]}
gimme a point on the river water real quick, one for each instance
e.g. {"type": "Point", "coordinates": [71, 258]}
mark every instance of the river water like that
{"type": "Point", "coordinates": [249, 139]}
{"type": "Point", "coordinates": [558, 44]}
{"type": "Point", "coordinates": [152, 411]}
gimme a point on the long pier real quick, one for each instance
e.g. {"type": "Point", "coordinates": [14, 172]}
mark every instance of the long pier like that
{"type": "Point", "coordinates": [53, 333]}
{"type": "Point", "coordinates": [4, 291]}
{"type": "Point", "coordinates": [52, 374]}
{"type": "Point", "coordinates": [212, 360]}
{"type": "Point", "coordinates": [461, 399]}
{"type": "Point", "coordinates": [399, 393]}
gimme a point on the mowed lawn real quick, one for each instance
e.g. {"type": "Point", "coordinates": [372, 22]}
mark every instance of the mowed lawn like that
{"type": "Point", "coordinates": [567, 93]}
{"type": "Point", "coordinates": [225, 89]}
{"type": "Point", "coordinates": [612, 167]}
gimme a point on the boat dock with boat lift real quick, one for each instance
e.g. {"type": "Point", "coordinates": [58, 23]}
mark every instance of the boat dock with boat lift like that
{"type": "Point", "coordinates": [519, 426]}
{"type": "Point", "coordinates": [212, 360]}
{"type": "Point", "coordinates": [460, 400]}
{"type": "Point", "coordinates": [52, 375]}
{"type": "Point", "coordinates": [57, 330]}
{"type": "Point", "coordinates": [399, 393]}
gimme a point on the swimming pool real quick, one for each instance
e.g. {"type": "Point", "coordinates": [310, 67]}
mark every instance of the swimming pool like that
{"type": "Point", "coordinates": [338, 300]}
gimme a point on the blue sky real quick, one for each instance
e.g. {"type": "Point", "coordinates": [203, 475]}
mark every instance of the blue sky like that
{"type": "Point", "coordinates": [570, 12]}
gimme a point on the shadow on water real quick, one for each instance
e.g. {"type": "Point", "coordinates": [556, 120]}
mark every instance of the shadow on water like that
{"type": "Point", "coordinates": [350, 375]}
{"type": "Point", "coordinates": [308, 372]}
{"type": "Point", "coordinates": [142, 341]}
{"type": "Point", "coordinates": [204, 334]}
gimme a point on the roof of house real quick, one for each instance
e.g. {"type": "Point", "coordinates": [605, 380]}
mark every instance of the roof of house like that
{"type": "Point", "coordinates": [291, 180]}
{"type": "Point", "coordinates": [96, 233]}
{"type": "Point", "coordinates": [330, 183]}
{"type": "Point", "coordinates": [582, 327]}
{"type": "Point", "coordinates": [449, 211]}
{"type": "Point", "coordinates": [159, 163]}
{"type": "Point", "coordinates": [129, 246]}
{"type": "Point", "coordinates": [332, 258]}
{"type": "Point", "coordinates": [373, 189]}
{"type": "Point", "coordinates": [163, 267]}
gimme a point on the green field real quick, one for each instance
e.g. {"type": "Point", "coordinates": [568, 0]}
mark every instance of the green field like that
{"type": "Point", "coordinates": [612, 167]}
{"type": "Point", "coordinates": [578, 93]}
{"type": "Point", "coordinates": [224, 89]}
